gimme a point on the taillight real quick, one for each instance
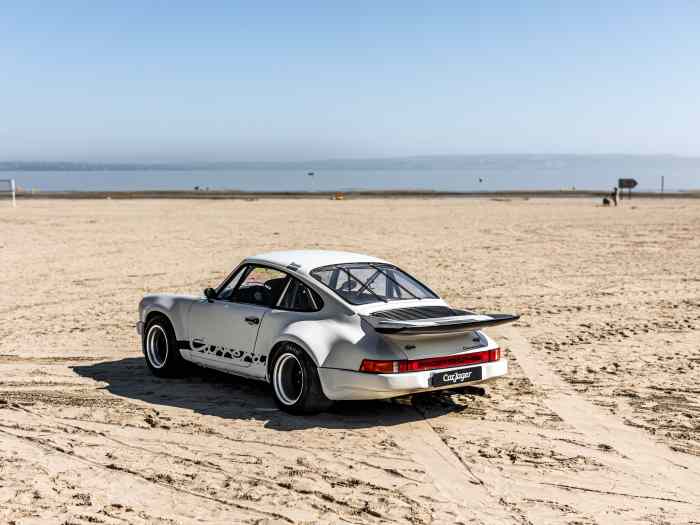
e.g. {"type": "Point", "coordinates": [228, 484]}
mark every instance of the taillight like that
{"type": "Point", "coordinates": [372, 366]}
{"type": "Point", "coordinates": [379, 367]}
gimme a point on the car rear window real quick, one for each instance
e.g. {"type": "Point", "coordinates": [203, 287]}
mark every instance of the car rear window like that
{"type": "Point", "coordinates": [365, 283]}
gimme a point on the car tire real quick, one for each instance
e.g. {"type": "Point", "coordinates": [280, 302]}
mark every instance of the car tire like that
{"type": "Point", "coordinates": [160, 348]}
{"type": "Point", "coordinates": [296, 386]}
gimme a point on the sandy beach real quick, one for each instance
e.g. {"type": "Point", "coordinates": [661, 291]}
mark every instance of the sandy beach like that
{"type": "Point", "coordinates": [598, 420]}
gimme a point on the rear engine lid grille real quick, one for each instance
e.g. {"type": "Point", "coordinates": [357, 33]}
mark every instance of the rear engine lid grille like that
{"type": "Point", "coordinates": [417, 312]}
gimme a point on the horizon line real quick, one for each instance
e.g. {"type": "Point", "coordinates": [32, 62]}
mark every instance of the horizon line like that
{"type": "Point", "coordinates": [146, 163]}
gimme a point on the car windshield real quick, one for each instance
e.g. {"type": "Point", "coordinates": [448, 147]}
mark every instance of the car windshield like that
{"type": "Point", "coordinates": [364, 283]}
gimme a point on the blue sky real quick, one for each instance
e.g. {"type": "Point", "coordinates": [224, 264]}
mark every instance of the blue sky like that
{"type": "Point", "coordinates": [149, 81]}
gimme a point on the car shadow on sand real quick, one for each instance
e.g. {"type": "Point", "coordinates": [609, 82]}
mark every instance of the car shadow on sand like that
{"type": "Point", "coordinates": [213, 393]}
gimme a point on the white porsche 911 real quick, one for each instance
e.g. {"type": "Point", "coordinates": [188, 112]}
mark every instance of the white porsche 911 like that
{"type": "Point", "coordinates": [322, 326]}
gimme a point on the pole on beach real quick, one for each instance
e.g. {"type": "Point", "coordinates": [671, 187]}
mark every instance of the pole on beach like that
{"type": "Point", "coordinates": [12, 190]}
{"type": "Point", "coordinates": [662, 183]}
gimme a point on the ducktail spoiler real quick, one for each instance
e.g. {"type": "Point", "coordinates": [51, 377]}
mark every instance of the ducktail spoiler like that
{"type": "Point", "coordinates": [441, 325]}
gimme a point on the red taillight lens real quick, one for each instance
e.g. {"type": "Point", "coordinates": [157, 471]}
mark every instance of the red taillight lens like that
{"type": "Point", "coordinates": [432, 363]}
{"type": "Point", "coordinates": [379, 367]}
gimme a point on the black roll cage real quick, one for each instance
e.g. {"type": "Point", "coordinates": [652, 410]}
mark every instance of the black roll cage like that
{"type": "Point", "coordinates": [347, 267]}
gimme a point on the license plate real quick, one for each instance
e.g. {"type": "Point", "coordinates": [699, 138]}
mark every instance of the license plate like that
{"type": "Point", "coordinates": [455, 377]}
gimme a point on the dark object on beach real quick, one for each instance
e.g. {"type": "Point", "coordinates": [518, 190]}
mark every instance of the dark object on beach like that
{"type": "Point", "coordinates": [613, 195]}
{"type": "Point", "coordinates": [628, 184]}
{"type": "Point", "coordinates": [606, 201]}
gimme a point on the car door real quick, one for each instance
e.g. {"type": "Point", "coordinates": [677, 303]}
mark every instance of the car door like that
{"type": "Point", "coordinates": [223, 330]}
{"type": "Point", "coordinates": [298, 303]}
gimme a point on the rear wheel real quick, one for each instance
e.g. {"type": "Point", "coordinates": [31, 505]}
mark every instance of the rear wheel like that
{"type": "Point", "coordinates": [295, 382]}
{"type": "Point", "coordinates": [160, 348]}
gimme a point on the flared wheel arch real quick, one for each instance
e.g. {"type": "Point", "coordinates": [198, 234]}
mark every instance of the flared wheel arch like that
{"type": "Point", "coordinates": [279, 347]}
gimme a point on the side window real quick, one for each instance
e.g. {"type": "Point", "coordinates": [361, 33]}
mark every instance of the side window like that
{"type": "Point", "coordinates": [225, 293]}
{"type": "Point", "coordinates": [300, 298]}
{"type": "Point", "coordinates": [260, 285]}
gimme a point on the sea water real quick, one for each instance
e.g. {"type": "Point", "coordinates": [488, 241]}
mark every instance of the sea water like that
{"type": "Point", "coordinates": [456, 173]}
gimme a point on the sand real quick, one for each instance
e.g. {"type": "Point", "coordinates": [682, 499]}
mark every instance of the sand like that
{"type": "Point", "coordinates": [598, 420]}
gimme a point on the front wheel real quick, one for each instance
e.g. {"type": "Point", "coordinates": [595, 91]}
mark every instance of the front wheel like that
{"type": "Point", "coordinates": [295, 383]}
{"type": "Point", "coordinates": [160, 348]}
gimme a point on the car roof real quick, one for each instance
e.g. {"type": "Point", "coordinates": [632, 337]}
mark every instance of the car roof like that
{"type": "Point", "coordinates": [307, 260]}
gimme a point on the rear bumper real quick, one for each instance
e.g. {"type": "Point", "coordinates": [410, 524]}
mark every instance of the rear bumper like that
{"type": "Point", "coordinates": [346, 385]}
{"type": "Point", "coordinates": [139, 327]}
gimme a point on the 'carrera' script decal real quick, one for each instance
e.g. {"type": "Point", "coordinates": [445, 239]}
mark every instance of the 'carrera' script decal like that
{"type": "Point", "coordinates": [234, 355]}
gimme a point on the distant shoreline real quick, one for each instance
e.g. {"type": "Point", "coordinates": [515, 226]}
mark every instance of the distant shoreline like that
{"type": "Point", "coordinates": [357, 194]}
{"type": "Point", "coordinates": [403, 162]}
{"type": "Point", "coordinates": [460, 175]}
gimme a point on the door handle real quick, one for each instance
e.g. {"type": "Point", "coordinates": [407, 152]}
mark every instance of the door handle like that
{"type": "Point", "coordinates": [252, 320]}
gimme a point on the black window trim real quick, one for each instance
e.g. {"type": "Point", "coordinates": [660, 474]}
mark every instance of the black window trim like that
{"type": "Point", "coordinates": [246, 268]}
{"type": "Point", "coordinates": [230, 277]}
{"type": "Point", "coordinates": [284, 292]}
{"type": "Point", "coordinates": [313, 294]}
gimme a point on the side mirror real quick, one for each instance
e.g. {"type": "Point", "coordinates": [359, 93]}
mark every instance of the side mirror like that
{"type": "Point", "coordinates": [210, 294]}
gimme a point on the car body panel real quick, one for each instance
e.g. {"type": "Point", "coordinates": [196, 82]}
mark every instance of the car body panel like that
{"type": "Point", "coordinates": [214, 333]}
{"type": "Point", "coordinates": [175, 307]}
{"type": "Point", "coordinates": [219, 332]}
{"type": "Point", "coordinates": [353, 385]}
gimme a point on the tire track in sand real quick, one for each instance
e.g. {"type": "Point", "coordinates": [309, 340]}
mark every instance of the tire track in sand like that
{"type": "Point", "coordinates": [647, 457]}
{"type": "Point", "coordinates": [135, 487]}
{"type": "Point", "coordinates": [467, 495]}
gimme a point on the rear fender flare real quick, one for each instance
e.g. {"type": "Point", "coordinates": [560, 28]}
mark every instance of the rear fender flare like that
{"type": "Point", "coordinates": [279, 343]}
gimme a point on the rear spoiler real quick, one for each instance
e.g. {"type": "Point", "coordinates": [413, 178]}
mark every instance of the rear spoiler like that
{"type": "Point", "coordinates": [441, 325]}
